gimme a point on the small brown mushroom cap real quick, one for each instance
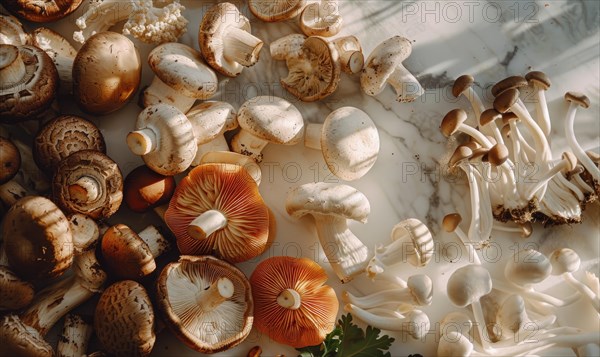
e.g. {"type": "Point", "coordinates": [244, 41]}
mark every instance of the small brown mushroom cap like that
{"type": "Point", "coordinates": [101, 172]}
{"type": "Point", "coordinates": [452, 120]}
{"type": "Point", "coordinates": [508, 116]}
{"type": "Point", "coordinates": [14, 293]}
{"type": "Point", "coordinates": [296, 326]}
{"type": "Point", "coordinates": [12, 32]}
{"type": "Point", "coordinates": [10, 160]}
{"type": "Point", "coordinates": [538, 79]}
{"type": "Point", "coordinates": [146, 189]}
{"type": "Point", "coordinates": [578, 98]}
{"type": "Point", "coordinates": [497, 154]}
{"type": "Point", "coordinates": [196, 311]}
{"type": "Point", "coordinates": [37, 239]}
{"type": "Point", "coordinates": [461, 84]}
{"type": "Point", "coordinates": [488, 116]}
{"type": "Point", "coordinates": [512, 82]}
{"type": "Point", "coordinates": [62, 137]}
{"type": "Point", "coordinates": [21, 340]}
{"type": "Point", "coordinates": [505, 100]}
{"type": "Point", "coordinates": [461, 153]}
{"type": "Point", "coordinates": [124, 320]}
{"type": "Point", "coordinates": [45, 11]}
{"type": "Point", "coordinates": [125, 254]}
{"type": "Point", "coordinates": [272, 11]}
{"type": "Point", "coordinates": [451, 222]}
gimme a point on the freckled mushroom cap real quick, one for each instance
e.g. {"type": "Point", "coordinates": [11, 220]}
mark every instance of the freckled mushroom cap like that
{"type": "Point", "coordinates": [272, 11]}
{"type": "Point", "coordinates": [312, 320]}
{"type": "Point", "coordinates": [10, 160]}
{"type": "Point", "coordinates": [452, 120]}
{"type": "Point", "coordinates": [315, 22]}
{"type": "Point", "coordinates": [182, 68]}
{"type": "Point", "coordinates": [44, 11]}
{"type": "Point", "coordinates": [14, 293]}
{"type": "Point", "coordinates": [12, 32]}
{"type": "Point", "coordinates": [382, 62]}
{"type": "Point", "coordinates": [63, 136]}
{"type": "Point", "coordinates": [467, 284]}
{"type": "Point", "coordinates": [184, 289]}
{"type": "Point", "coordinates": [21, 340]}
{"type": "Point", "coordinates": [273, 119]}
{"type": "Point", "coordinates": [37, 239]}
{"type": "Point", "coordinates": [124, 320]}
{"type": "Point", "coordinates": [527, 266]}
{"type": "Point", "coordinates": [505, 100]}
{"type": "Point", "coordinates": [145, 189]}
{"type": "Point", "coordinates": [230, 190]}
{"type": "Point", "coordinates": [211, 119]}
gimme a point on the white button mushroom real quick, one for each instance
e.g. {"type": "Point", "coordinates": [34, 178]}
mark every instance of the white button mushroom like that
{"type": "Point", "coordinates": [331, 205]}
{"type": "Point", "coordinates": [321, 18]}
{"type": "Point", "coordinates": [349, 141]}
{"type": "Point", "coordinates": [384, 65]}
{"type": "Point", "coordinates": [564, 262]}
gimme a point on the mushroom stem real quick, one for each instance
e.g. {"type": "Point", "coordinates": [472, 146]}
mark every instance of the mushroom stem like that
{"type": "Point", "coordinates": [218, 292]}
{"type": "Point", "coordinates": [546, 176]}
{"type": "Point", "coordinates": [85, 189]}
{"type": "Point", "coordinates": [530, 293]}
{"type": "Point", "coordinates": [157, 243]}
{"type": "Point", "coordinates": [415, 323]}
{"type": "Point", "coordinates": [475, 101]}
{"type": "Point", "coordinates": [12, 67]}
{"type": "Point", "coordinates": [312, 136]}
{"type": "Point", "coordinates": [246, 143]}
{"type": "Point", "coordinates": [351, 56]}
{"type": "Point", "coordinates": [524, 229]}
{"type": "Point", "coordinates": [217, 144]}
{"type": "Point", "coordinates": [583, 158]}
{"type": "Point", "coordinates": [241, 46]}
{"type": "Point", "coordinates": [142, 142]}
{"type": "Point", "coordinates": [160, 92]}
{"type": "Point", "coordinates": [289, 299]}
{"type": "Point", "coordinates": [11, 192]}
{"type": "Point", "coordinates": [407, 87]}
{"type": "Point", "coordinates": [206, 224]}
{"type": "Point", "coordinates": [541, 111]}
{"type": "Point", "coordinates": [75, 337]}
{"type": "Point", "coordinates": [542, 149]}
{"type": "Point", "coordinates": [583, 289]}
{"type": "Point", "coordinates": [347, 255]}
{"type": "Point", "coordinates": [390, 296]}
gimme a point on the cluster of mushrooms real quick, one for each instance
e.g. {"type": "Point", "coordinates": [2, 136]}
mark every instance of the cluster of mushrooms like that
{"type": "Point", "coordinates": [58, 193]}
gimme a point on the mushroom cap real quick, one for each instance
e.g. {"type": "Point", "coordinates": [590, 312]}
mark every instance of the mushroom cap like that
{"type": "Point", "coordinates": [175, 146]}
{"type": "Point", "coordinates": [44, 11]}
{"type": "Point", "coordinates": [230, 190]}
{"type": "Point", "coordinates": [125, 254]}
{"type": "Point", "coordinates": [512, 82]}
{"type": "Point", "coordinates": [415, 233]}
{"type": "Point", "coordinates": [512, 314]}
{"type": "Point", "coordinates": [451, 221]}
{"type": "Point", "coordinates": [578, 98]}
{"type": "Point", "coordinates": [527, 266]}
{"type": "Point", "coordinates": [315, 73]}
{"type": "Point", "coordinates": [497, 154]}
{"type": "Point", "coordinates": [272, 11]}
{"type": "Point", "coordinates": [181, 67]}
{"type": "Point", "coordinates": [452, 120]}
{"type": "Point", "coordinates": [145, 189]}
{"type": "Point", "coordinates": [10, 160]}
{"type": "Point", "coordinates": [97, 166]}
{"type": "Point", "coordinates": [488, 116]}
{"type": "Point", "coordinates": [19, 339]}
{"type": "Point", "coordinates": [12, 32]}
{"type": "Point", "coordinates": [60, 51]}
{"type": "Point", "coordinates": [350, 143]}
{"type": "Point", "coordinates": [34, 93]}
{"type": "Point", "coordinates": [382, 62]}
{"type": "Point", "coordinates": [461, 84]}
{"type": "Point", "coordinates": [14, 293]}
{"type": "Point", "coordinates": [462, 152]}
{"type": "Point", "coordinates": [505, 100]}
{"type": "Point", "coordinates": [456, 321]}
{"type": "Point", "coordinates": [316, 22]}
{"type": "Point", "coordinates": [63, 136]}
{"type": "Point", "coordinates": [508, 116]}
{"type": "Point", "coordinates": [37, 239]}
{"type": "Point", "coordinates": [320, 198]}
{"type": "Point", "coordinates": [564, 260]}
{"type": "Point", "coordinates": [538, 79]}
{"type": "Point", "coordinates": [181, 284]}
{"type": "Point", "coordinates": [124, 320]}
{"type": "Point", "coordinates": [313, 320]}
{"type": "Point", "coordinates": [211, 119]}
{"type": "Point", "coordinates": [106, 73]}
{"type": "Point", "coordinates": [229, 157]}
{"type": "Point", "coordinates": [454, 344]}
{"type": "Point", "coordinates": [272, 119]}
{"type": "Point", "coordinates": [421, 288]}
{"type": "Point", "coordinates": [467, 284]}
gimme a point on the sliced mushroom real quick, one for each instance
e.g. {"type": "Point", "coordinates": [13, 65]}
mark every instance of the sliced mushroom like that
{"type": "Point", "coordinates": [124, 320]}
{"type": "Point", "coordinates": [351, 55]}
{"type": "Point", "coordinates": [15, 293]}
{"type": "Point", "coordinates": [218, 210]}
{"type": "Point", "coordinates": [181, 77]}
{"type": "Point", "coordinates": [226, 41]}
{"type": "Point", "coordinates": [349, 141]}
{"type": "Point", "coordinates": [264, 120]}
{"type": "Point", "coordinates": [384, 65]}
{"type": "Point", "coordinates": [272, 11]}
{"type": "Point", "coordinates": [293, 304]}
{"type": "Point", "coordinates": [60, 51]}
{"type": "Point", "coordinates": [88, 182]}
{"type": "Point", "coordinates": [206, 302]}
{"type": "Point", "coordinates": [28, 84]}
{"type": "Point", "coordinates": [145, 189]}
{"type": "Point", "coordinates": [12, 31]}
{"type": "Point", "coordinates": [46, 11]}
{"type": "Point", "coordinates": [62, 137]}
{"type": "Point", "coordinates": [321, 18]}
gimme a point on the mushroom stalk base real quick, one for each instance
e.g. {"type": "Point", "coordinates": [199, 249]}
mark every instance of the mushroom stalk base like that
{"type": "Point", "coordinates": [142, 142]}
{"type": "Point", "coordinates": [241, 46]}
{"type": "Point", "coordinates": [289, 299]}
{"type": "Point", "coordinates": [406, 85]}
{"type": "Point", "coordinates": [312, 136]}
{"type": "Point", "coordinates": [160, 92]}
{"type": "Point", "coordinates": [85, 189]}
{"type": "Point", "coordinates": [206, 224]}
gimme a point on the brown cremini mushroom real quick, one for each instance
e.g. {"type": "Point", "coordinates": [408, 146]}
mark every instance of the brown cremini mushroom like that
{"type": "Point", "coordinates": [145, 189]}
{"type": "Point", "coordinates": [293, 306]}
{"type": "Point", "coordinates": [12, 32]}
{"type": "Point", "coordinates": [88, 182]}
{"type": "Point", "coordinates": [14, 292]}
{"type": "Point", "coordinates": [41, 11]}
{"type": "Point", "coordinates": [206, 302]}
{"type": "Point", "coordinates": [217, 209]}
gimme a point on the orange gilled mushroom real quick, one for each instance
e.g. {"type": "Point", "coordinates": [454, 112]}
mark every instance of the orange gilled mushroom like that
{"type": "Point", "coordinates": [217, 209]}
{"type": "Point", "coordinates": [292, 306]}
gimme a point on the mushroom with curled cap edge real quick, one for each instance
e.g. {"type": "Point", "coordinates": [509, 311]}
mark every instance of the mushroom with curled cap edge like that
{"type": "Point", "coordinates": [124, 320]}
{"type": "Point", "coordinates": [12, 32]}
{"type": "Point", "coordinates": [164, 138]}
{"type": "Point", "coordinates": [180, 77]}
{"type": "Point", "coordinates": [206, 302]}
{"type": "Point", "coordinates": [62, 137]}
{"type": "Point", "coordinates": [217, 209]}
{"type": "Point", "coordinates": [321, 18]}
{"type": "Point", "coordinates": [145, 189]}
{"type": "Point", "coordinates": [273, 11]}
{"type": "Point", "coordinates": [226, 41]}
{"type": "Point", "coordinates": [384, 65]}
{"type": "Point", "coordinates": [88, 182]}
{"type": "Point", "coordinates": [331, 205]}
{"type": "Point", "coordinates": [61, 52]}
{"type": "Point", "coordinates": [293, 305]}
{"type": "Point", "coordinates": [28, 84]}
{"type": "Point", "coordinates": [44, 11]}
{"type": "Point", "coordinates": [264, 120]}
{"type": "Point", "coordinates": [349, 141]}
{"type": "Point", "coordinates": [565, 262]}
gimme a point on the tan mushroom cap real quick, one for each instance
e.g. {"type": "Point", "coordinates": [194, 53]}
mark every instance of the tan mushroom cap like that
{"type": "Point", "coordinates": [452, 120]}
{"type": "Point", "coordinates": [578, 98]}
{"type": "Point", "coordinates": [297, 283]}
{"type": "Point", "coordinates": [63, 136]}
{"type": "Point", "coordinates": [538, 79]}
{"type": "Point", "coordinates": [182, 68]}
{"type": "Point", "coordinates": [231, 191]}
{"type": "Point", "coordinates": [272, 119]}
{"type": "Point", "coordinates": [45, 11]}
{"type": "Point", "coordinates": [350, 143]}
{"type": "Point", "coordinates": [12, 32]}
{"type": "Point", "coordinates": [316, 20]}
{"type": "Point", "coordinates": [125, 254]}
{"type": "Point", "coordinates": [461, 84]}
{"type": "Point", "coordinates": [124, 320]}
{"type": "Point", "coordinates": [462, 152]}
{"type": "Point", "coordinates": [451, 222]}
{"type": "Point", "coordinates": [28, 83]}
{"type": "Point", "coordinates": [106, 73]}
{"type": "Point", "coordinates": [505, 100]}
{"type": "Point", "coordinates": [207, 317]}
{"type": "Point", "coordinates": [145, 189]}
{"type": "Point", "coordinates": [14, 293]}
{"type": "Point", "coordinates": [512, 82]}
{"type": "Point", "coordinates": [497, 155]}
{"type": "Point", "coordinates": [10, 160]}
{"type": "Point", "coordinates": [92, 172]}
{"type": "Point", "coordinates": [21, 340]}
{"type": "Point", "coordinates": [489, 115]}
{"type": "Point", "coordinates": [37, 239]}
{"type": "Point", "coordinates": [315, 74]}
{"type": "Point", "coordinates": [272, 11]}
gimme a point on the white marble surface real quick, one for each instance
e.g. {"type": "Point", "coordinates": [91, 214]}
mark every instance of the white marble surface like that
{"type": "Point", "coordinates": [489, 40]}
